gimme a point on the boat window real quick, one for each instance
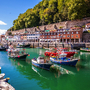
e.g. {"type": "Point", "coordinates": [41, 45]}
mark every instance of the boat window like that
{"type": "Point", "coordinates": [41, 57]}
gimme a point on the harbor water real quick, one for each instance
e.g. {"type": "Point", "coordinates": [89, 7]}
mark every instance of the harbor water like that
{"type": "Point", "coordinates": [24, 76]}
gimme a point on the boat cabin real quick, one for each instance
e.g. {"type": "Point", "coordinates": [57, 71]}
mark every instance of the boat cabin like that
{"type": "Point", "coordinates": [62, 56]}
{"type": "Point", "coordinates": [13, 52]}
{"type": "Point", "coordinates": [40, 60]}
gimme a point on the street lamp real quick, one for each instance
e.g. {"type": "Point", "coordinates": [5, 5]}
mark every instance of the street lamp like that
{"type": "Point", "coordinates": [62, 40]}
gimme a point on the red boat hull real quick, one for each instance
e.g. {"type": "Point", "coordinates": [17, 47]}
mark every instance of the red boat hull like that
{"type": "Point", "coordinates": [69, 54]}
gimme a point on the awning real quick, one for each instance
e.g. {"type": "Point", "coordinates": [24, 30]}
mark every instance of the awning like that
{"type": "Point", "coordinates": [47, 30]}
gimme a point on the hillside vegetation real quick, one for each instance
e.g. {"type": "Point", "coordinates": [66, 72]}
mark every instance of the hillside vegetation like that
{"type": "Point", "coordinates": [52, 11]}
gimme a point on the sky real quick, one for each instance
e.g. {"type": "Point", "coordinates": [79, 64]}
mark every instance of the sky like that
{"type": "Point", "coordinates": [10, 10]}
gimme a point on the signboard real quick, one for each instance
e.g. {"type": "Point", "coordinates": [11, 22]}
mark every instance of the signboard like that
{"type": "Point", "coordinates": [47, 30]}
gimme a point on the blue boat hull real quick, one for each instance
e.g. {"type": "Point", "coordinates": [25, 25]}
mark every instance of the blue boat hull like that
{"type": "Point", "coordinates": [68, 62]}
{"type": "Point", "coordinates": [43, 66]}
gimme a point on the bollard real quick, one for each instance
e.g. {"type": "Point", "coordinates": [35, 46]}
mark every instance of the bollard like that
{"type": "Point", "coordinates": [33, 45]}
{"type": "Point", "coordinates": [55, 45]}
{"type": "Point", "coordinates": [42, 46]}
{"type": "Point", "coordinates": [38, 44]}
{"type": "Point", "coordinates": [48, 45]}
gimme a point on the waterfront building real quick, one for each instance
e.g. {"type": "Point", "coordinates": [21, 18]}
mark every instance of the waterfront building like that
{"type": "Point", "coordinates": [33, 37]}
{"type": "Point", "coordinates": [2, 38]}
{"type": "Point", "coordinates": [74, 34]}
{"type": "Point", "coordinates": [17, 37]}
{"type": "Point", "coordinates": [11, 38]}
{"type": "Point", "coordinates": [87, 27]}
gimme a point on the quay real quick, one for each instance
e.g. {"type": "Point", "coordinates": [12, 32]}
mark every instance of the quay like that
{"type": "Point", "coordinates": [54, 45]}
{"type": "Point", "coordinates": [51, 36]}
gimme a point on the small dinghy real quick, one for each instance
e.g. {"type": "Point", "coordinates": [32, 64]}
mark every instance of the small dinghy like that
{"type": "Point", "coordinates": [6, 86]}
{"type": "Point", "coordinates": [85, 49]}
{"type": "Point", "coordinates": [2, 76]}
{"type": "Point", "coordinates": [4, 80]}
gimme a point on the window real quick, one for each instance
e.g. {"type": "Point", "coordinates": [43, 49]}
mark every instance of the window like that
{"type": "Point", "coordinates": [48, 33]}
{"type": "Point", "coordinates": [45, 33]}
{"type": "Point", "coordinates": [72, 32]}
{"type": "Point", "coordinates": [67, 32]}
{"type": "Point", "coordinates": [76, 32]}
{"type": "Point", "coordinates": [64, 32]}
{"type": "Point", "coordinates": [72, 35]}
{"type": "Point", "coordinates": [76, 35]}
{"type": "Point", "coordinates": [68, 36]}
{"type": "Point", "coordinates": [57, 36]}
{"type": "Point", "coordinates": [51, 33]}
{"type": "Point", "coordinates": [63, 36]}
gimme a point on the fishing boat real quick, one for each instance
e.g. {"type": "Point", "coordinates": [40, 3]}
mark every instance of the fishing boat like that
{"type": "Point", "coordinates": [23, 46]}
{"type": "Point", "coordinates": [50, 53]}
{"type": "Point", "coordinates": [41, 63]}
{"type": "Point", "coordinates": [2, 76]}
{"type": "Point", "coordinates": [17, 54]}
{"type": "Point", "coordinates": [85, 49]}
{"type": "Point", "coordinates": [61, 59]}
{"type": "Point", "coordinates": [6, 86]}
{"type": "Point", "coordinates": [3, 48]}
{"type": "Point", "coordinates": [59, 51]}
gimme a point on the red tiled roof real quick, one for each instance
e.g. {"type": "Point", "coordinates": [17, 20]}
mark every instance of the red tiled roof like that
{"type": "Point", "coordinates": [88, 24]}
{"type": "Point", "coordinates": [75, 27]}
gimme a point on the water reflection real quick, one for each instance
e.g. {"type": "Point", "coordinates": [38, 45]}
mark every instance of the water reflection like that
{"type": "Point", "coordinates": [27, 67]}
{"type": "Point", "coordinates": [24, 76]}
{"type": "Point", "coordinates": [84, 55]}
{"type": "Point", "coordinates": [44, 79]}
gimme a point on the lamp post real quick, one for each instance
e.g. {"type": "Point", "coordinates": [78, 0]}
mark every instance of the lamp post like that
{"type": "Point", "coordinates": [70, 39]}
{"type": "Point", "coordinates": [62, 40]}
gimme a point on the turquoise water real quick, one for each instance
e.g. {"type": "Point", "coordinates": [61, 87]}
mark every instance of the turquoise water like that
{"type": "Point", "coordinates": [24, 76]}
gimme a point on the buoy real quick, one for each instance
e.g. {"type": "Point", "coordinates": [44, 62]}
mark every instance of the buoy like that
{"type": "Point", "coordinates": [18, 56]}
{"type": "Point", "coordinates": [28, 55]}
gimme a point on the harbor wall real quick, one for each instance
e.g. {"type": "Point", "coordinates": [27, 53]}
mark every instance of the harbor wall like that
{"type": "Point", "coordinates": [54, 45]}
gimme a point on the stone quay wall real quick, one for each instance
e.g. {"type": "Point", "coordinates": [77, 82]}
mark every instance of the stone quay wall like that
{"type": "Point", "coordinates": [54, 45]}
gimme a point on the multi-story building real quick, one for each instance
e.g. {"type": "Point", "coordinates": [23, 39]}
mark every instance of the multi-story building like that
{"type": "Point", "coordinates": [62, 35]}
{"type": "Point", "coordinates": [33, 36]}
{"type": "Point", "coordinates": [87, 26]}
{"type": "Point", "coordinates": [2, 38]}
